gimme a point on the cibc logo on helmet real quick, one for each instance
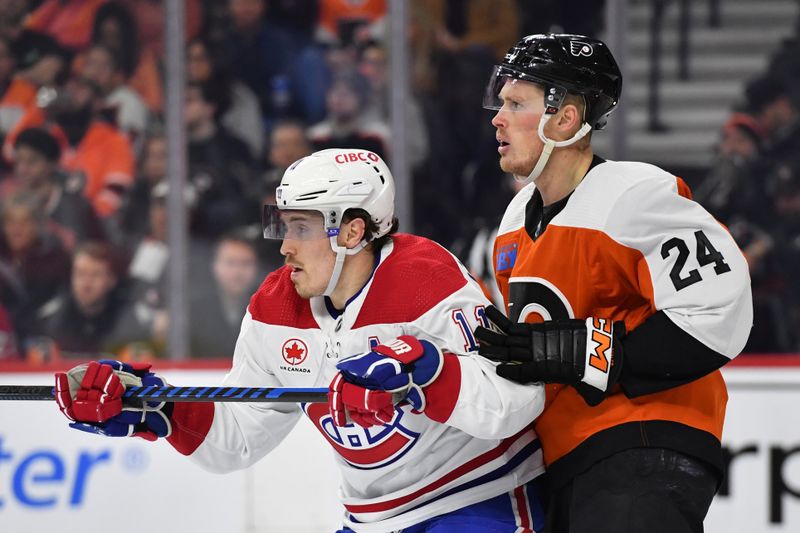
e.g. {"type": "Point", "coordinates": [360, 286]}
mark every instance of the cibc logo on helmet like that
{"type": "Point", "coordinates": [352, 157]}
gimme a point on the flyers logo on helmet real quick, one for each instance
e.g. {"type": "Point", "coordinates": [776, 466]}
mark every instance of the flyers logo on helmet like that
{"type": "Point", "coordinates": [579, 48]}
{"type": "Point", "coordinates": [364, 448]}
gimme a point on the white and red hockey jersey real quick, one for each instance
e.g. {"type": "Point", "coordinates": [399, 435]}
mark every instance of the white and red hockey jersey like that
{"type": "Point", "coordinates": [475, 440]}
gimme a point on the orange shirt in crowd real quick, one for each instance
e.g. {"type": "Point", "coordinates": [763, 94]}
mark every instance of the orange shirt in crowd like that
{"type": "Point", "coordinates": [15, 102]}
{"type": "Point", "coordinates": [145, 80]}
{"type": "Point", "coordinates": [150, 18]}
{"type": "Point", "coordinates": [70, 22]}
{"type": "Point", "coordinates": [104, 156]}
{"type": "Point", "coordinates": [331, 12]}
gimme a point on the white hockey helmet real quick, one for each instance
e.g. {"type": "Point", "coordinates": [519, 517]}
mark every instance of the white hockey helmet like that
{"type": "Point", "coordinates": [331, 182]}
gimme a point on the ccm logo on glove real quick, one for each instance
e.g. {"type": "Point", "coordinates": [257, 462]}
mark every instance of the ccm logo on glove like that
{"type": "Point", "coordinates": [598, 352]}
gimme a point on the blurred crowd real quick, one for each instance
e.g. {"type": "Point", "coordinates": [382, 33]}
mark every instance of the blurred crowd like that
{"type": "Point", "coordinates": [83, 172]}
{"type": "Point", "coordinates": [83, 169]}
{"type": "Point", "coordinates": [753, 188]}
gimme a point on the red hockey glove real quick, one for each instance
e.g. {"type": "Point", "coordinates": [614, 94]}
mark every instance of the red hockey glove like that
{"type": "Point", "coordinates": [352, 403]}
{"type": "Point", "coordinates": [90, 395]}
{"type": "Point", "coordinates": [586, 354]}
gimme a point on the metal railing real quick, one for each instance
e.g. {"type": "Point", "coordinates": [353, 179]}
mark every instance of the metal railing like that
{"type": "Point", "coordinates": [683, 51]}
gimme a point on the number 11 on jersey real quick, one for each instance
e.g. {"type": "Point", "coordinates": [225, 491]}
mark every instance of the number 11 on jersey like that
{"type": "Point", "coordinates": [460, 318]}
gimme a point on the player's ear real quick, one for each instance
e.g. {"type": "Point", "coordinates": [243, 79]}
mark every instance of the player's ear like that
{"type": "Point", "coordinates": [568, 120]}
{"type": "Point", "coordinates": [352, 232]}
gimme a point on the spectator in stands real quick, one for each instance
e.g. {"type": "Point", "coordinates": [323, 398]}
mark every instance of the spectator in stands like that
{"type": "Point", "coordinates": [90, 145]}
{"type": "Point", "coordinates": [60, 194]}
{"type": "Point", "coordinates": [16, 94]}
{"type": "Point", "coordinates": [468, 28]}
{"type": "Point", "coordinates": [67, 21]}
{"type": "Point", "coordinates": [12, 18]}
{"type": "Point", "coordinates": [297, 16]}
{"type": "Point", "coordinates": [286, 71]}
{"type": "Point", "coordinates": [95, 316]}
{"type": "Point", "coordinates": [152, 170]}
{"type": "Point", "coordinates": [40, 60]}
{"type": "Point", "coordinates": [34, 266]}
{"type": "Point", "coordinates": [735, 185]}
{"type": "Point", "coordinates": [773, 102]}
{"type": "Point", "coordinates": [776, 294]}
{"type": "Point", "coordinates": [373, 65]}
{"type": "Point", "coordinates": [288, 142]}
{"type": "Point", "coordinates": [786, 222]}
{"type": "Point", "coordinates": [221, 169]}
{"type": "Point", "coordinates": [243, 116]}
{"type": "Point", "coordinates": [735, 192]}
{"type": "Point", "coordinates": [346, 125]}
{"type": "Point", "coordinates": [150, 256]}
{"type": "Point", "coordinates": [126, 108]}
{"type": "Point", "coordinates": [216, 314]}
{"type": "Point", "coordinates": [116, 28]}
{"type": "Point", "coordinates": [344, 23]}
{"type": "Point", "coordinates": [150, 17]}
{"type": "Point", "coordinates": [455, 44]}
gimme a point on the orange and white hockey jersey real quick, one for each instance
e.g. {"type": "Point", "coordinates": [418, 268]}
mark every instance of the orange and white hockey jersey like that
{"type": "Point", "coordinates": [627, 244]}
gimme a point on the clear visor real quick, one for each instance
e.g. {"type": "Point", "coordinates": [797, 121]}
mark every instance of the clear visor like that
{"type": "Point", "coordinates": [295, 224]}
{"type": "Point", "coordinates": [510, 90]}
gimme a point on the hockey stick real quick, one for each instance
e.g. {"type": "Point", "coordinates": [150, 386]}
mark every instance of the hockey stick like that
{"type": "Point", "coordinates": [183, 394]}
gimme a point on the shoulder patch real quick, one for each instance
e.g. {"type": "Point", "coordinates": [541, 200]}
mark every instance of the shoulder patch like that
{"type": "Point", "coordinates": [506, 252]}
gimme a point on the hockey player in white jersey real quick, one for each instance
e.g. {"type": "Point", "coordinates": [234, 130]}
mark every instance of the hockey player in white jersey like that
{"type": "Point", "coordinates": [427, 436]}
{"type": "Point", "coordinates": [591, 249]}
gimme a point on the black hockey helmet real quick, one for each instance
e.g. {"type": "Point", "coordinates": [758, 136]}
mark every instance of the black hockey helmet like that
{"type": "Point", "coordinates": [562, 63]}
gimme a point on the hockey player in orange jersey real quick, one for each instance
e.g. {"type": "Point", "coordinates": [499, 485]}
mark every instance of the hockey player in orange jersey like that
{"type": "Point", "coordinates": [591, 249]}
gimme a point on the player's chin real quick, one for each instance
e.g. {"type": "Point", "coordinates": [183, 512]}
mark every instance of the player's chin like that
{"type": "Point", "coordinates": [304, 291]}
{"type": "Point", "coordinates": [506, 164]}
{"type": "Point", "coordinates": [298, 288]}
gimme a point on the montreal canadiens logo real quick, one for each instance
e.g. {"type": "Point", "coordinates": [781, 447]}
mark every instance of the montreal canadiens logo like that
{"type": "Point", "coordinates": [364, 448]}
{"type": "Point", "coordinates": [294, 351]}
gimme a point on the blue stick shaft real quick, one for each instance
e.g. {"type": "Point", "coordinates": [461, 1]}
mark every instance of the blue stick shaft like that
{"type": "Point", "coordinates": [184, 394]}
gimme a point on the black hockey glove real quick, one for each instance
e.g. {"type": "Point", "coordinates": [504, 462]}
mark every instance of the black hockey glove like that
{"type": "Point", "coordinates": [556, 351]}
